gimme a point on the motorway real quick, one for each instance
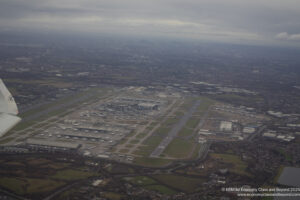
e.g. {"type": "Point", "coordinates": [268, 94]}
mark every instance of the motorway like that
{"type": "Point", "coordinates": [258, 132]}
{"type": "Point", "coordinates": [174, 131]}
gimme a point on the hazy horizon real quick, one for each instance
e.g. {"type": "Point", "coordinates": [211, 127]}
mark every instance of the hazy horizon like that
{"type": "Point", "coordinates": [255, 22]}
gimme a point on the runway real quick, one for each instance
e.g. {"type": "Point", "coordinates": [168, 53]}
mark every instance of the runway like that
{"type": "Point", "coordinates": [174, 131]}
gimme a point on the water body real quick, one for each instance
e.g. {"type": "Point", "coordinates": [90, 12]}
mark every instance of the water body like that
{"type": "Point", "coordinates": [290, 177]}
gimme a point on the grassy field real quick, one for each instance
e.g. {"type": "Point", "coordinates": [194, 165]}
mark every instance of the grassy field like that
{"type": "Point", "coordinates": [23, 186]}
{"type": "Point", "coordinates": [124, 150]}
{"type": "Point", "coordinates": [151, 162]}
{"type": "Point", "coordinates": [150, 184]}
{"type": "Point", "coordinates": [71, 174]}
{"type": "Point", "coordinates": [192, 122]}
{"type": "Point", "coordinates": [239, 167]}
{"type": "Point", "coordinates": [113, 196]}
{"type": "Point", "coordinates": [149, 145]}
{"type": "Point", "coordinates": [286, 155]}
{"type": "Point", "coordinates": [14, 184]}
{"type": "Point", "coordinates": [38, 174]}
{"type": "Point", "coordinates": [38, 161]}
{"type": "Point", "coordinates": [185, 131]}
{"type": "Point", "coordinates": [42, 185]}
{"type": "Point", "coordinates": [196, 151]}
{"type": "Point", "coordinates": [163, 130]}
{"type": "Point", "coordinates": [140, 180]}
{"type": "Point", "coordinates": [129, 146]}
{"type": "Point", "coordinates": [66, 194]}
{"type": "Point", "coordinates": [135, 141]}
{"type": "Point", "coordinates": [161, 189]}
{"type": "Point", "coordinates": [182, 183]}
{"type": "Point", "coordinates": [141, 135]}
{"type": "Point", "coordinates": [280, 170]}
{"type": "Point", "coordinates": [179, 148]}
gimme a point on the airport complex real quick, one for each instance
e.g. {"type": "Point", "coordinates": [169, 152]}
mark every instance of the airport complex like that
{"type": "Point", "coordinates": [138, 125]}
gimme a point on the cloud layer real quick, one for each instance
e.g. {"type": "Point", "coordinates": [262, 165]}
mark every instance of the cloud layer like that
{"type": "Point", "coordinates": [258, 21]}
{"type": "Point", "coordinates": [286, 36]}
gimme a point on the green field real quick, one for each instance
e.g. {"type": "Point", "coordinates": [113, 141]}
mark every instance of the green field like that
{"type": "Point", "coordinates": [286, 155]}
{"type": "Point", "coordinates": [239, 167]}
{"type": "Point", "coordinates": [161, 189]}
{"type": "Point", "coordinates": [135, 141]}
{"type": "Point", "coordinates": [14, 184]}
{"type": "Point", "coordinates": [163, 130]}
{"type": "Point", "coordinates": [149, 145]}
{"type": "Point", "coordinates": [280, 170]}
{"type": "Point", "coordinates": [179, 148]}
{"type": "Point", "coordinates": [185, 131]}
{"type": "Point", "coordinates": [113, 196]}
{"type": "Point", "coordinates": [192, 122]}
{"type": "Point", "coordinates": [150, 184]}
{"type": "Point", "coordinates": [23, 186]}
{"type": "Point", "coordinates": [140, 180]}
{"type": "Point", "coordinates": [42, 185]}
{"type": "Point", "coordinates": [124, 150]}
{"type": "Point", "coordinates": [196, 151]}
{"type": "Point", "coordinates": [34, 175]}
{"type": "Point", "coordinates": [182, 183]}
{"type": "Point", "coordinates": [151, 162]}
{"type": "Point", "coordinates": [141, 135]}
{"type": "Point", "coordinates": [128, 145]}
{"type": "Point", "coordinates": [71, 174]}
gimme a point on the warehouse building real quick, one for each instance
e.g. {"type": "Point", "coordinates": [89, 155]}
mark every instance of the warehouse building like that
{"type": "Point", "coordinates": [226, 126]}
{"type": "Point", "coordinates": [51, 146]}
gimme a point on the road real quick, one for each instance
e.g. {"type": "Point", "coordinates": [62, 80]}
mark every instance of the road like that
{"type": "Point", "coordinates": [174, 131]}
{"type": "Point", "coordinates": [51, 196]}
{"type": "Point", "coordinates": [259, 131]}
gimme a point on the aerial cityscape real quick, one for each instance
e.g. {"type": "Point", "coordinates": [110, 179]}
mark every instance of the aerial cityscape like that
{"type": "Point", "coordinates": [122, 115]}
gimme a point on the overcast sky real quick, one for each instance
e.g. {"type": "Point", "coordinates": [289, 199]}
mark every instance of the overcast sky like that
{"type": "Point", "coordinates": [240, 21]}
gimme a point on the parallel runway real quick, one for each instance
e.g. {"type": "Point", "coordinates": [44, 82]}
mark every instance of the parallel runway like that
{"type": "Point", "coordinates": [174, 131]}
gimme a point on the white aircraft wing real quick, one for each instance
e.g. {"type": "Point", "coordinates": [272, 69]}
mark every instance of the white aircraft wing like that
{"type": "Point", "coordinates": [7, 102]}
{"type": "Point", "coordinates": [8, 110]}
{"type": "Point", "coordinates": [7, 122]}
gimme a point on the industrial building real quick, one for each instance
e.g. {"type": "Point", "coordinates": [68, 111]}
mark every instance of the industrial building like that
{"type": "Point", "coordinates": [248, 130]}
{"type": "Point", "coordinates": [226, 126]}
{"type": "Point", "coordinates": [52, 146]}
{"type": "Point", "coordinates": [147, 106]}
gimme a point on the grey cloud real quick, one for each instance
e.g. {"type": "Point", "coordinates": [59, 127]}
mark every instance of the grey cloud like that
{"type": "Point", "coordinates": [286, 36]}
{"type": "Point", "coordinates": [255, 20]}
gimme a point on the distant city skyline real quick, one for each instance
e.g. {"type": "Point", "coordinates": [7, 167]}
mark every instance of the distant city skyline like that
{"type": "Point", "coordinates": [237, 21]}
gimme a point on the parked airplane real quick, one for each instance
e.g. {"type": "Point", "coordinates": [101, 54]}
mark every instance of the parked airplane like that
{"type": "Point", "coordinates": [8, 110]}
